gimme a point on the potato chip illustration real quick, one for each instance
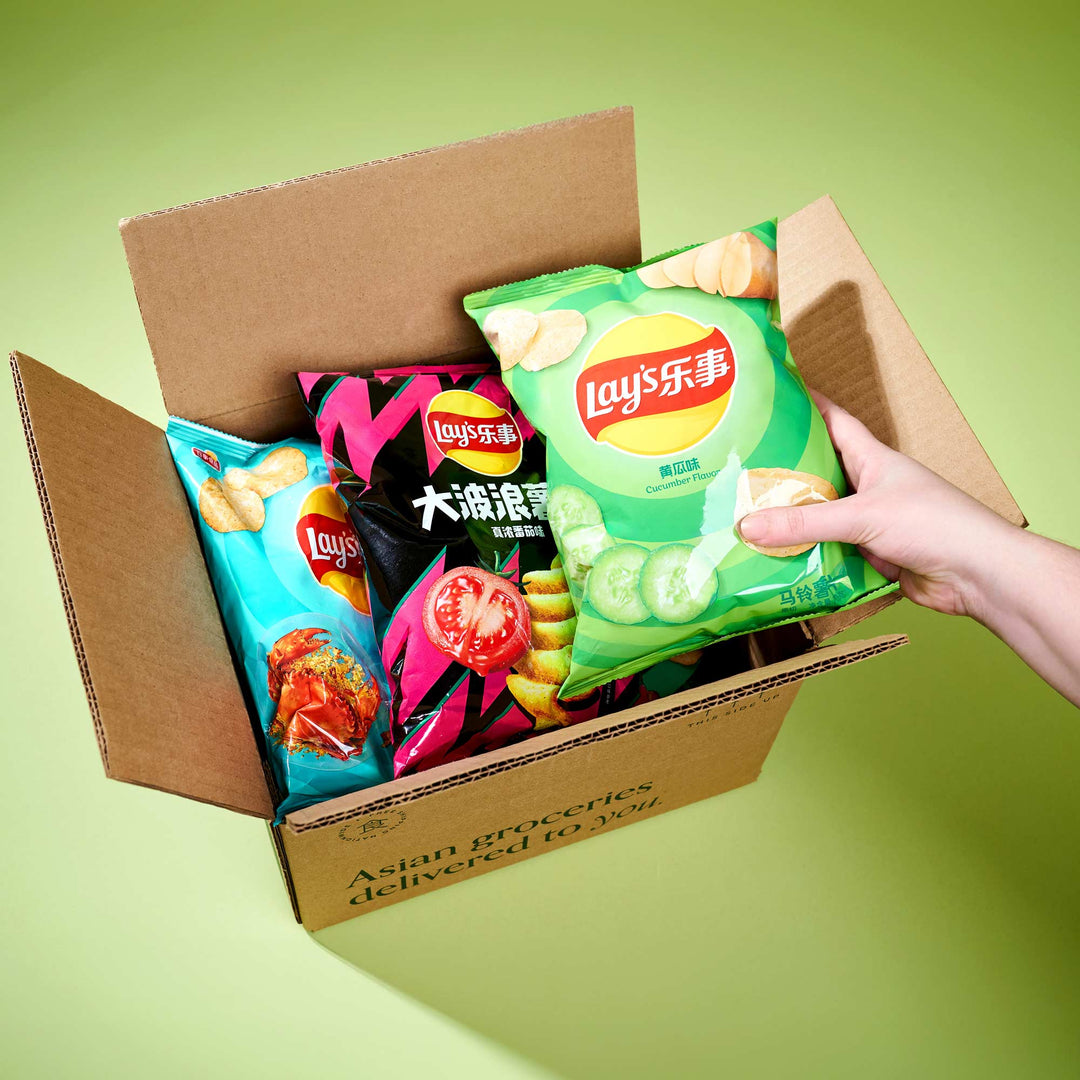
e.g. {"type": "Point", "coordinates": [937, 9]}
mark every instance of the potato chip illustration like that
{"type": "Point", "coordinates": [748, 268]}
{"type": "Point", "coordinates": [559, 335]}
{"type": "Point", "coordinates": [541, 700]}
{"type": "Point", "coordinates": [546, 665]}
{"type": "Point", "coordinates": [510, 331]}
{"type": "Point", "coordinates": [707, 265]}
{"type": "Point", "coordinates": [553, 635]}
{"type": "Point", "coordinates": [762, 489]}
{"type": "Point", "coordinates": [739, 265]}
{"type": "Point", "coordinates": [547, 607]}
{"type": "Point", "coordinates": [227, 509]}
{"type": "Point", "coordinates": [653, 275]}
{"type": "Point", "coordinates": [542, 670]}
{"type": "Point", "coordinates": [680, 268]}
{"type": "Point", "coordinates": [544, 581]}
{"type": "Point", "coordinates": [281, 468]}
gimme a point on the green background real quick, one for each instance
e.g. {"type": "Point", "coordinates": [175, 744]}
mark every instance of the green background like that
{"type": "Point", "coordinates": [899, 895]}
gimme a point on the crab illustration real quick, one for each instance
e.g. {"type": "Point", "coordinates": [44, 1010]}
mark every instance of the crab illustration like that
{"type": "Point", "coordinates": [325, 704]}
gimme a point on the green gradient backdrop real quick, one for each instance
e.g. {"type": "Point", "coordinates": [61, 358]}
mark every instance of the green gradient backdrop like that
{"type": "Point", "coordinates": [899, 895]}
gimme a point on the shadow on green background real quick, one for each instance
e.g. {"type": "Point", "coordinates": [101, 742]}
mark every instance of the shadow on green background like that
{"type": "Point", "coordinates": [896, 896]}
{"type": "Point", "coordinates": [899, 894]}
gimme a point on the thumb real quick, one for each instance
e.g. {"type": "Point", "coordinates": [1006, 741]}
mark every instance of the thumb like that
{"type": "Point", "coordinates": [787, 526]}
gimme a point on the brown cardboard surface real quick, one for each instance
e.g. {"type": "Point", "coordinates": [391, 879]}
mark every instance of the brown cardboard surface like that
{"type": "Point", "coordinates": [368, 265]}
{"type": "Point", "coordinates": [418, 845]}
{"type": "Point", "coordinates": [689, 746]}
{"type": "Point", "coordinates": [851, 343]}
{"type": "Point", "coordinates": [780, 673]}
{"type": "Point", "coordinates": [159, 680]}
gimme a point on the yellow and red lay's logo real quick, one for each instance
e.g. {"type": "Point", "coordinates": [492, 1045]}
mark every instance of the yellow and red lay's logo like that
{"type": "Point", "coordinates": [656, 384]}
{"type": "Point", "coordinates": [330, 546]}
{"type": "Point", "coordinates": [474, 432]}
{"type": "Point", "coordinates": [208, 456]}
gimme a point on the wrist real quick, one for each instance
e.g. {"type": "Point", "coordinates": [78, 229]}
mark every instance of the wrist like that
{"type": "Point", "coordinates": [992, 588]}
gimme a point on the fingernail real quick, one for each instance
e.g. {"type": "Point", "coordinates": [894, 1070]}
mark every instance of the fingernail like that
{"type": "Point", "coordinates": [752, 527]}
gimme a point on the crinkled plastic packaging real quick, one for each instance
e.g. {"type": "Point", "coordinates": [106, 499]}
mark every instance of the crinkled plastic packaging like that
{"type": "Point", "coordinates": [671, 407]}
{"type": "Point", "coordinates": [443, 478]}
{"type": "Point", "coordinates": [288, 573]}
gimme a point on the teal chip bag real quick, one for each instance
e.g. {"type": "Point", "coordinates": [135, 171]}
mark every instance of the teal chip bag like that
{"type": "Point", "coordinates": [289, 577]}
{"type": "Point", "coordinates": [671, 407]}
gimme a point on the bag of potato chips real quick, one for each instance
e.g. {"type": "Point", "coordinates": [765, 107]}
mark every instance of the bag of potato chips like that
{"type": "Point", "coordinates": [671, 407]}
{"type": "Point", "coordinates": [444, 482]}
{"type": "Point", "coordinates": [288, 574]}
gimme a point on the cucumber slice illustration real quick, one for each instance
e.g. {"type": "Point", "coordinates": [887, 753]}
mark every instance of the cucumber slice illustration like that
{"type": "Point", "coordinates": [568, 506]}
{"type": "Point", "coordinates": [583, 545]}
{"type": "Point", "coordinates": [677, 583]}
{"type": "Point", "coordinates": [613, 584]}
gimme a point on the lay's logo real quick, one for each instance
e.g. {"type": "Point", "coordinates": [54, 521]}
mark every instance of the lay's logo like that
{"type": "Point", "coordinates": [474, 432]}
{"type": "Point", "coordinates": [656, 384]}
{"type": "Point", "coordinates": [329, 543]}
{"type": "Point", "coordinates": [208, 456]}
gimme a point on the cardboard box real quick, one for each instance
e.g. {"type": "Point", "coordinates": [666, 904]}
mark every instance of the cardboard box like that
{"type": "Point", "coordinates": [367, 266]}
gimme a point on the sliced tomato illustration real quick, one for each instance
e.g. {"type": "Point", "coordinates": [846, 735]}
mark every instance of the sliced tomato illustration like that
{"type": "Point", "coordinates": [478, 618]}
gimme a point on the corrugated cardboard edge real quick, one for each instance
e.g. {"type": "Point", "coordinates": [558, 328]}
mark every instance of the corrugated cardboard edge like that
{"type": "Point", "coordinates": [283, 866]}
{"type": "Point", "coordinates": [58, 562]}
{"type": "Point", "coordinates": [826, 626]}
{"type": "Point", "coordinates": [120, 760]}
{"type": "Point", "coordinates": [600, 114]}
{"type": "Point", "coordinates": [443, 778]}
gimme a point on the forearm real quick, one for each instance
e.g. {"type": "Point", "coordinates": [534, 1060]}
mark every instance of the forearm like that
{"type": "Point", "coordinates": [1027, 592]}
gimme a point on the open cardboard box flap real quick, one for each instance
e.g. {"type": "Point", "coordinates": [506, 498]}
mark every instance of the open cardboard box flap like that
{"type": "Point", "coordinates": [364, 267]}
{"type": "Point", "coordinates": [163, 694]}
{"type": "Point", "coordinates": [367, 266]}
{"type": "Point", "coordinates": [851, 343]}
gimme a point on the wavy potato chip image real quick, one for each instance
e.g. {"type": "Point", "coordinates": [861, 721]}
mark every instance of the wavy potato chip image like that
{"type": "Point", "coordinates": [554, 635]}
{"type": "Point", "coordinates": [680, 268]}
{"type": "Point", "coordinates": [739, 265]}
{"type": "Point", "coordinates": [764, 489]}
{"type": "Point", "coordinates": [510, 332]}
{"type": "Point", "coordinates": [541, 671]}
{"type": "Point", "coordinates": [653, 275]}
{"type": "Point", "coordinates": [559, 335]}
{"type": "Point", "coordinates": [230, 509]}
{"type": "Point", "coordinates": [540, 699]}
{"type": "Point", "coordinates": [281, 468]}
{"type": "Point", "coordinates": [707, 265]}
{"type": "Point", "coordinates": [549, 607]}
{"type": "Point", "coordinates": [544, 581]}
{"type": "Point", "coordinates": [748, 268]}
{"type": "Point", "coordinates": [546, 665]}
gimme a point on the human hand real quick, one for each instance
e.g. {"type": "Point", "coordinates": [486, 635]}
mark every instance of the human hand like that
{"type": "Point", "coordinates": [909, 523]}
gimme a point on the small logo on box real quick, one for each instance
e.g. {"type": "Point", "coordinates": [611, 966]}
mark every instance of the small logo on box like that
{"type": "Point", "coordinates": [208, 456]}
{"type": "Point", "coordinates": [376, 825]}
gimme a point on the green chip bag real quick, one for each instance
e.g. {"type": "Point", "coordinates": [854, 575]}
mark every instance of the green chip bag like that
{"type": "Point", "coordinates": [671, 407]}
